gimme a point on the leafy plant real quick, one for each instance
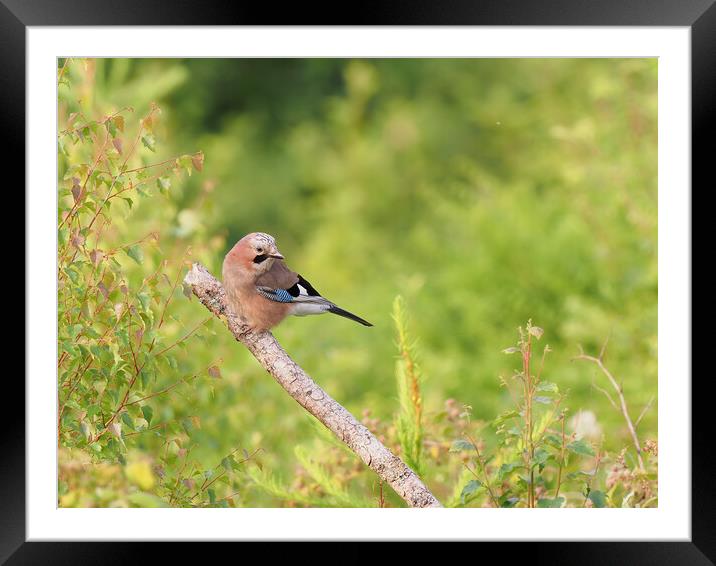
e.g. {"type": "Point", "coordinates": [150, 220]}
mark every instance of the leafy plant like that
{"type": "Point", "coordinates": [536, 463]}
{"type": "Point", "coordinates": [409, 421]}
{"type": "Point", "coordinates": [116, 354]}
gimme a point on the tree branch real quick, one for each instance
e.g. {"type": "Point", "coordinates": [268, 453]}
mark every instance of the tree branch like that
{"type": "Point", "coordinates": [310, 396]}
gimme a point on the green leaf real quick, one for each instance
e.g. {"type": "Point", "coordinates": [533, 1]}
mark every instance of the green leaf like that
{"type": "Point", "coordinates": [543, 400]}
{"type": "Point", "coordinates": [75, 330]}
{"type": "Point", "coordinates": [63, 149]}
{"type": "Point", "coordinates": [74, 276]}
{"type": "Point", "coordinates": [164, 184]}
{"type": "Point", "coordinates": [148, 413]}
{"type": "Point", "coordinates": [96, 127]}
{"type": "Point", "coordinates": [470, 490]}
{"type": "Point", "coordinates": [111, 128]}
{"type": "Point", "coordinates": [144, 300]}
{"type": "Point", "coordinates": [85, 429]}
{"type": "Point", "coordinates": [149, 142]}
{"type": "Point", "coordinates": [188, 425]}
{"type": "Point", "coordinates": [580, 447]}
{"type": "Point", "coordinates": [553, 440]}
{"type": "Point", "coordinates": [580, 474]}
{"type": "Point", "coordinates": [126, 419]}
{"type": "Point", "coordinates": [144, 377]}
{"type": "Point", "coordinates": [541, 456]}
{"type": "Point", "coordinates": [551, 503]}
{"type": "Point", "coordinates": [62, 236]}
{"type": "Point", "coordinates": [506, 469]}
{"type": "Point", "coordinates": [506, 416]}
{"type": "Point", "coordinates": [72, 404]}
{"type": "Point", "coordinates": [514, 431]}
{"type": "Point", "coordinates": [598, 498]}
{"type": "Point", "coordinates": [136, 253]}
{"type": "Point", "coordinates": [185, 162]}
{"type": "Point", "coordinates": [548, 386]}
{"type": "Point", "coordinates": [507, 501]}
{"type": "Point", "coordinates": [212, 496]}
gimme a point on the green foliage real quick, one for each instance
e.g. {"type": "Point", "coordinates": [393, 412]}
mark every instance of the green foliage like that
{"type": "Point", "coordinates": [409, 420]}
{"type": "Point", "coordinates": [482, 191]}
{"type": "Point", "coordinates": [119, 343]}
{"type": "Point", "coordinates": [534, 460]}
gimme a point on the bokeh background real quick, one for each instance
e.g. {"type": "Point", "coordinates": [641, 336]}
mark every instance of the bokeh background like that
{"type": "Point", "coordinates": [486, 192]}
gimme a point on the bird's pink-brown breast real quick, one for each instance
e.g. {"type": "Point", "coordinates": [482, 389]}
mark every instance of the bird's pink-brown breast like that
{"type": "Point", "coordinates": [240, 286]}
{"type": "Point", "coordinates": [262, 313]}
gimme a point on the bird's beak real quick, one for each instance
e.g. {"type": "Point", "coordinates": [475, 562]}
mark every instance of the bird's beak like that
{"type": "Point", "coordinates": [275, 254]}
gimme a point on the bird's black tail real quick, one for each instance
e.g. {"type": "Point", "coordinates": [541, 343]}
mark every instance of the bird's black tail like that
{"type": "Point", "coordinates": [340, 312]}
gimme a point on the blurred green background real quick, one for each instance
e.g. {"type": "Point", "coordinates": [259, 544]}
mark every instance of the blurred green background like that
{"type": "Point", "coordinates": [484, 191]}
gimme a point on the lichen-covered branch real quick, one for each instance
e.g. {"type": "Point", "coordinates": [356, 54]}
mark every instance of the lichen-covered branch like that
{"type": "Point", "coordinates": [310, 396]}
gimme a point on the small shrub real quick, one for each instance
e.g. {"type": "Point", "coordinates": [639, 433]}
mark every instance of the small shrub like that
{"type": "Point", "coordinates": [117, 355]}
{"type": "Point", "coordinates": [536, 462]}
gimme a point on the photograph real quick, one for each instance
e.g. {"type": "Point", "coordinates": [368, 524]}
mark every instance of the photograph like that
{"type": "Point", "coordinates": [350, 282]}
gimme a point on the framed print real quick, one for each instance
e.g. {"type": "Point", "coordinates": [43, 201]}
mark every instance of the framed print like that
{"type": "Point", "coordinates": [424, 278]}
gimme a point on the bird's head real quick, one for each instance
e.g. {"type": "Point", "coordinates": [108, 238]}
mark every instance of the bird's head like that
{"type": "Point", "coordinates": [255, 252]}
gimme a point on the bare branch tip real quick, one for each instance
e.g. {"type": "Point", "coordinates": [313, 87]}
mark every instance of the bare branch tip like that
{"type": "Point", "coordinates": [194, 274]}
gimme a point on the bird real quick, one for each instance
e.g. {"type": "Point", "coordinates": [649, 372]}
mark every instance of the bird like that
{"type": "Point", "coordinates": [262, 290]}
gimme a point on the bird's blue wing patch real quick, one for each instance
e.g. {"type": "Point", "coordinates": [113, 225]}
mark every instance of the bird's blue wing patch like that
{"type": "Point", "coordinates": [278, 295]}
{"type": "Point", "coordinates": [283, 296]}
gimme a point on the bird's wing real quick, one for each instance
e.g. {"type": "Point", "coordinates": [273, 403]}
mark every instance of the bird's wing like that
{"type": "Point", "coordinates": [305, 299]}
{"type": "Point", "coordinates": [282, 285]}
{"type": "Point", "coordinates": [278, 276]}
{"type": "Point", "coordinates": [305, 289]}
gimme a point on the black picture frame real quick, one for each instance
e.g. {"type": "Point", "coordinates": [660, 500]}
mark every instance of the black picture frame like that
{"type": "Point", "coordinates": [698, 15]}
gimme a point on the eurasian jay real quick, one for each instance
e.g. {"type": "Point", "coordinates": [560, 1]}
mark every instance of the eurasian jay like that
{"type": "Point", "coordinates": [263, 291]}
